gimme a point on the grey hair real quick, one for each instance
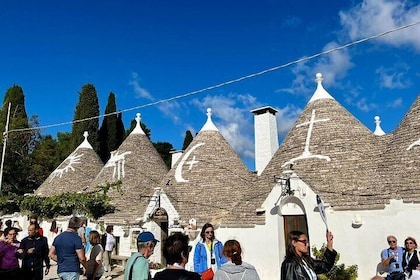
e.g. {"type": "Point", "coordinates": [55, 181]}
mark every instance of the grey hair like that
{"type": "Point", "coordinates": [142, 245]}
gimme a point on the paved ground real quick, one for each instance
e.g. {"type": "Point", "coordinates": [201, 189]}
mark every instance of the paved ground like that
{"type": "Point", "coordinates": [117, 273]}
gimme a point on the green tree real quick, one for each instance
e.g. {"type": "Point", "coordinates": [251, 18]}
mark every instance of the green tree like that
{"type": "Point", "coordinates": [187, 140]}
{"type": "Point", "coordinates": [64, 145]}
{"type": "Point", "coordinates": [45, 159]}
{"type": "Point", "coordinates": [164, 149]}
{"type": "Point", "coordinates": [109, 140]}
{"type": "Point", "coordinates": [86, 117]}
{"type": "Point", "coordinates": [120, 129]}
{"type": "Point", "coordinates": [133, 124]}
{"type": "Point", "coordinates": [19, 144]}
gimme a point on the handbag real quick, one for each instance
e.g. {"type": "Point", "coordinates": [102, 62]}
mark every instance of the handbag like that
{"type": "Point", "coordinates": [207, 274]}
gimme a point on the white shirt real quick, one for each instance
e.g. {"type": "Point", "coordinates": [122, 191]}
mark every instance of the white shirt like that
{"type": "Point", "coordinates": [110, 242]}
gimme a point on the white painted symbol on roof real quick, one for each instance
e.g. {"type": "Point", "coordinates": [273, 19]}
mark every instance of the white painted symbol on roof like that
{"type": "Point", "coordinates": [191, 163]}
{"type": "Point", "coordinates": [415, 143]}
{"type": "Point", "coordinates": [178, 170]}
{"type": "Point", "coordinates": [306, 153]}
{"type": "Point", "coordinates": [118, 162]}
{"type": "Point", "coordinates": [73, 158]}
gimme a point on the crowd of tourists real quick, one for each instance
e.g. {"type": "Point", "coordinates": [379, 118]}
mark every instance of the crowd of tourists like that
{"type": "Point", "coordinates": [79, 250]}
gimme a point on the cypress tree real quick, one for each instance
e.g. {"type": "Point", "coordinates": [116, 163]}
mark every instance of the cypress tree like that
{"type": "Point", "coordinates": [19, 144]}
{"type": "Point", "coordinates": [133, 124]}
{"type": "Point", "coordinates": [109, 133]}
{"type": "Point", "coordinates": [87, 107]}
{"type": "Point", "coordinates": [120, 129]}
{"type": "Point", "coordinates": [187, 140]}
{"type": "Point", "coordinates": [164, 149]}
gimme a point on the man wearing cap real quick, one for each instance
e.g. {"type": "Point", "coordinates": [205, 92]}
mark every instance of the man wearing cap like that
{"type": "Point", "coordinates": [137, 267]}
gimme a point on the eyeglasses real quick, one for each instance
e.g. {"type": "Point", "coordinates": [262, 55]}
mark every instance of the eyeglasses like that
{"type": "Point", "coordinates": [392, 241]}
{"type": "Point", "coordinates": [209, 232]}
{"type": "Point", "coordinates": [409, 243]}
{"type": "Point", "coordinates": [305, 242]}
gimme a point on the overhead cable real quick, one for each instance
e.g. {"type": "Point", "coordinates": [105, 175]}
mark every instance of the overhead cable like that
{"type": "Point", "coordinates": [228, 82]}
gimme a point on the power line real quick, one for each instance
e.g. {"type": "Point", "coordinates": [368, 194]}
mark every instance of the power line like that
{"type": "Point", "coordinates": [228, 82]}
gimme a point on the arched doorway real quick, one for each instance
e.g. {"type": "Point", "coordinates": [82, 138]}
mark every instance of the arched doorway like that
{"type": "Point", "coordinates": [294, 216]}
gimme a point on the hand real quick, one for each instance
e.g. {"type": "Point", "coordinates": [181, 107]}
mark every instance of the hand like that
{"type": "Point", "coordinates": [47, 270]}
{"type": "Point", "coordinates": [20, 251]}
{"type": "Point", "coordinates": [31, 250]}
{"type": "Point", "coordinates": [330, 238]}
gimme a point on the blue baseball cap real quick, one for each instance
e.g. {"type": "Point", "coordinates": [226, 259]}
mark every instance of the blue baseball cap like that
{"type": "Point", "coordinates": [146, 236]}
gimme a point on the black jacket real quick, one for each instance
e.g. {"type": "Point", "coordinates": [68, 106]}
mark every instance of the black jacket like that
{"type": "Point", "coordinates": [292, 270]}
{"type": "Point", "coordinates": [40, 255]}
{"type": "Point", "coordinates": [412, 264]}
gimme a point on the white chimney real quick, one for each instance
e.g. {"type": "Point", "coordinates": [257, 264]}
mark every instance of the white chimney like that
{"type": "Point", "coordinates": [266, 138]}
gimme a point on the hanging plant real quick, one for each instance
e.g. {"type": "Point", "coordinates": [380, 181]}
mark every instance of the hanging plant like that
{"type": "Point", "coordinates": [94, 204]}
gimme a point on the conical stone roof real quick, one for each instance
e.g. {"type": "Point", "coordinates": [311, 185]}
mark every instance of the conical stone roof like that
{"type": "Point", "coordinates": [140, 168]}
{"type": "Point", "coordinates": [334, 153]}
{"type": "Point", "coordinates": [210, 183]}
{"type": "Point", "coordinates": [75, 173]}
{"type": "Point", "coordinates": [402, 157]}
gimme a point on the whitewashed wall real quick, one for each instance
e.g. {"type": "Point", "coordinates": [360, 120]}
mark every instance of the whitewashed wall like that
{"type": "Point", "coordinates": [263, 245]}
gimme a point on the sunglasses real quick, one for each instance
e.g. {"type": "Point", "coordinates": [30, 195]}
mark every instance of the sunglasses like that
{"type": "Point", "coordinates": [305, 242]}
{"type": "Point", "coordinates": [392, 241]}
{"type": "Point", "coordinates": [409, 243]}
{"type": "Point", "coordinates": [209, 232]}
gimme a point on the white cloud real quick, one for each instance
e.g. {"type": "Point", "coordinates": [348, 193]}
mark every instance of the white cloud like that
{"type": "Point", "coordinates": [397, 103]}
{"type": "Point", "coordinates": [232, 116]}
{"type": "Point", "coordinates": [364, 105]}
{"type": "Point", "coordinates": [286, 117]}
{"type": "Point", "coordinates": [300, 85]}
{"type": "Point", "coordinates": [171, 110]}
{"type": "Point", "coordinates": [139, 91]}
{"type": "Point", "coordinates": [370, 17]}
{"type": "Point", "coordinates": [393, 78]}
{"type": "Point", "coordinates": [333, 66]}
{"type": "Point", "coordinates": [375, 16]}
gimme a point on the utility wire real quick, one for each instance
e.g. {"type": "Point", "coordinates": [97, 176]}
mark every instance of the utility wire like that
{"type": "Point", "coordinates": [228, 82]}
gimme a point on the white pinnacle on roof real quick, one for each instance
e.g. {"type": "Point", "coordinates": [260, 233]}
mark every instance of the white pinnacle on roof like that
{"type": "Point", "coordinates": [209, 125]}
{"type": "Point", "coordinates": [378, 130]}
{"type": "Point", "coordinates": [320, 92]}
{"type": "Point", "coordinates": [85, 144]}
{"type": "Point", "coordinates": [138, 129]}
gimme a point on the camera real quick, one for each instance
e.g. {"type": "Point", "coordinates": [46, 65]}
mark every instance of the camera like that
{"type": "Point", "coordinates": [213, 261]}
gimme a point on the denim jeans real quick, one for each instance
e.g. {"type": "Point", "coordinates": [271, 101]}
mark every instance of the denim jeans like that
{"type": "Point", "coordinates": [69, 275]}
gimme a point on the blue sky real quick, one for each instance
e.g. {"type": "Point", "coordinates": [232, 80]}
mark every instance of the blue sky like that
{"type": "Point", "coordinates": [145, 51]}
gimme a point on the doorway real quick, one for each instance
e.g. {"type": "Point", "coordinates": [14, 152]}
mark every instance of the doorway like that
{"type": "Point", "coordinates": [294, 222]}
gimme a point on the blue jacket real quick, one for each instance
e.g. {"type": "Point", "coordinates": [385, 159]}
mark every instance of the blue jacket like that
{"type": "Point", "coordinates": [200, 256]}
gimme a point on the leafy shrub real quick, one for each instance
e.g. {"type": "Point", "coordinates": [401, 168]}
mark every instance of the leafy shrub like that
{"type": "Point", "coordinates": [93, 204]}
{"type": "Point", "coordinates": [338, 272]}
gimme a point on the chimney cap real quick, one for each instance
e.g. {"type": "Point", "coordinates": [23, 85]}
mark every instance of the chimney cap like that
{"type": "Point", "coordinates": [263, 110]}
